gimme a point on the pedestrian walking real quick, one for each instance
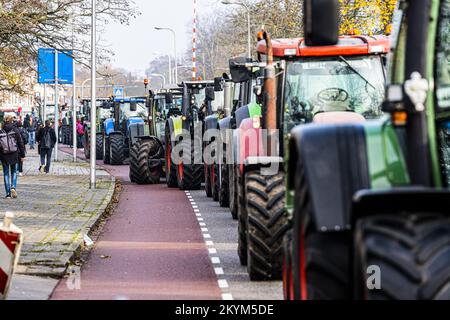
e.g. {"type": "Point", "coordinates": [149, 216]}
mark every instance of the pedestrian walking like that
{"type": "Point", "coordinates": [12, 149]}
{"type": "Point", "coordinates": [31, 125]}
{"type": "Point", "coordinates": [80, 134]}
{"type": "Point", "coordinates": [47, 140]}
{"type": "Point", "coordinates": [24, 136]}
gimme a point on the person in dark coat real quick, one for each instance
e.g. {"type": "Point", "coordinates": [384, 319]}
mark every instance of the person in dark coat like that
{"type": "Point", "coordinates": [24, 136]}
{"type": "Point", "coordinates": [46, 138]}
{"type": "Point", "coordinates": [10, 161]}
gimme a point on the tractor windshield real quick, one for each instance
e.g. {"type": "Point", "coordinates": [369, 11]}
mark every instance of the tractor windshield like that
{"type": "Point", "coordinates": [134, 110]}
{"type": "Point", "coordinates": [354, 84]}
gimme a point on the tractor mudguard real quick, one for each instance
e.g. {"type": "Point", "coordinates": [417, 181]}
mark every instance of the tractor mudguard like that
{"type": "Point", "coordinates": [401, 199]}
{"type": "Point", "coordinates": [109, 126]}
{"type": "Point", "coordinates": [225, 123]}
{"type": "Point", "coordinates": [211, 122]}
{"type": "Point", "coordinates": [335, 164]}
{"type": "Point", "coordinates": [251, 143]}
{"type": "Point", "coordinates": [175, 125]}
{"type": "Point", "coordinates": [241, 114]}
{"type": "Point", "coordinates": [135, 130]}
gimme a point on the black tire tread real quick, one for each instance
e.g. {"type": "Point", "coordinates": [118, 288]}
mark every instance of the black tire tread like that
{"type": "Point", "coordinates": [267, 225]}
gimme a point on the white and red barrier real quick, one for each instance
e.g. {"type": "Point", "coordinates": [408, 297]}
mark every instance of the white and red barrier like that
{"type": "Point", "coordinates": [10, 244]}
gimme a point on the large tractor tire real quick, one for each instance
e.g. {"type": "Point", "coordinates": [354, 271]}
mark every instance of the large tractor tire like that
{"type": "Point", "coordinates": [117, 150]}
{"type": "Point", "coordinates": [189, 176]}
{"type": "Point", "coordinates": [107, 152]}
{"type": "Point", "coordinates": [87, 146]}
{"type": "Point", "coordinates": [320, 261]}
{"type": "Point", "coordinates": [233, 195]}
{"type": "Point", "coordinates": [171, 167]}
{"type": "Point", "coordinates": [412, 252]}
{"type": "Point", "coordinates": [288, 288]}
{"type": "Point", "coordinates": [224, 200]}
{"type": "Point", "coordinates": [267, 224]}
{"type": "Point", "coordinates": [208, 187]}
{"type": "Point", "coordinates": [99, 147]}
{"type": "Point", "coordinates": [242, 221]}
{"type": "Point", "coordinates": [141, 156]}
{"type": "Point", "coordinates": [133, 155]}
{"type": "Point", "coordinates": [215, 182]}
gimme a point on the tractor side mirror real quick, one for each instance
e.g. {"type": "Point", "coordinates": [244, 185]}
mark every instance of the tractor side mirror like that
{"type": "Point", "coordinates": [239, 71]}
{"type": "Point", "coordinates": [210, 94]}
{"type": "Point", "coordinates": [321, 22]}
{"type": "Point", "coordinates": [218, 84]}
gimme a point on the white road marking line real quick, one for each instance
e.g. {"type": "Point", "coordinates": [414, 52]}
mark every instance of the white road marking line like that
{"type": "Point", "coordinates": [200, 219]}
{"type": "Point", "coordinates": [202, 224]}
{"type": "Point", "coordinates": [207, 236]}
{"type": "Point", "coordinates": [227, 296]}
{"type": "Point", "coordinates": [195, 207]}
{"type": "Point", "coordinates": [215, 260]}
{"type": "Point", "coordinates": [196, 211]}
{"type": "Point", "coordinates": [223, 284]}
{"type": "Point", "coordinates": [198, 215]}
{"type": "Point", "coordinates": [209, 243]}
{"type": "Point", "coordinates": [219, 271]}
{"type": "Point", "coordinates": [212, 251]}
{"type": "Point", "coordinates": [205, 230]}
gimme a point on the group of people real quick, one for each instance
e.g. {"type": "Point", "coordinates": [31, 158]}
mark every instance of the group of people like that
{"type": "Point", "coordinates": [14, 136]}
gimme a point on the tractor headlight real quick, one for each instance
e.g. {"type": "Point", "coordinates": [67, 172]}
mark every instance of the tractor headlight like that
{"type": "Point", "coordinates": [256, 122]}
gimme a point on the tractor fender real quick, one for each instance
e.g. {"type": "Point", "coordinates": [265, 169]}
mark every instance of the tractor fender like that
{"type": "Point", "coordinates": [334, 162]}
{"type": "Point", "coordinates": [176, 126]}
{"type": "Point", "coordinates": [108, 126]}
{"type": "Point", "coordinates": [250, 142]}
{"type": "Point", "coordinates": [135, 129]}
{"type": "Point", "coordinates": [211, 122]}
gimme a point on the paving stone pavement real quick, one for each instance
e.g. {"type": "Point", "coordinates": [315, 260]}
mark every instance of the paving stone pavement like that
{"type": "Point", "coordinates": [54, 211]}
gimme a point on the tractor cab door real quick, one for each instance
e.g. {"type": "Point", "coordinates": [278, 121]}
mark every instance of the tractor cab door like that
{"type": "Point", "coordinates": [441, 97]}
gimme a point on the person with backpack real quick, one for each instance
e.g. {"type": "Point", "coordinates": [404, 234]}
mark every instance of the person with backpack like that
{"type": "Point", "coordinates": [12, 150]}
{"type": "Point", "coordinates": [47, 140]}
{"type": "Point", "coordinates": [24, 135]}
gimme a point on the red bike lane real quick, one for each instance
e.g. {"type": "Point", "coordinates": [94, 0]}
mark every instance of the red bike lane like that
{"type": "Point", "coordinates": [151, 248]}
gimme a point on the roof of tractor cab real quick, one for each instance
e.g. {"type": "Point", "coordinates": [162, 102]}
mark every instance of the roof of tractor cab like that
{"type": "Point", "coordinates": [197, 84]}
{"type": "Point", "coordinates": [130, 100]}
{"type": "Point", "coordinates": [347, 46]}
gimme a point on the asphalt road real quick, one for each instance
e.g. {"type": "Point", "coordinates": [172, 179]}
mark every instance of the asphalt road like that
{"type": "Point", "coordinates": [166, 244]}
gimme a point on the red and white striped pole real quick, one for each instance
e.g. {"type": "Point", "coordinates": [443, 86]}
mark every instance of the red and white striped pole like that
{"type": "Point", "coordinates": [10, 244]}
{"type": "Point", "coordinates": [194, 44]}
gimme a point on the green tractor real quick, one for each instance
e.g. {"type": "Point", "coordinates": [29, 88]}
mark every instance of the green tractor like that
{"type": "Point", "coordinates": [147, 156]}
{"type": "Point", "coordinates": [370, 215]}
{"type": "Point", "coordinates": [104, 108]}
{"type": "Point", "coordinates": [184, 140]}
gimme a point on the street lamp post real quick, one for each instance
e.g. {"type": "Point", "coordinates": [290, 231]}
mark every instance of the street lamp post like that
{"type": "Point", "coordinates": [249, 32]}
{"type": "Point", "coordinates": [93, 182]}
{"type": "Point", "coordinates": [174, 49]}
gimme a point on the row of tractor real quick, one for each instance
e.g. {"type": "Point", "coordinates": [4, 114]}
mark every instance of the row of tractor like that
{"type": "Point", "coordinates": [332, 153]}
{"type": "Point", "coordinates": [339, 185]}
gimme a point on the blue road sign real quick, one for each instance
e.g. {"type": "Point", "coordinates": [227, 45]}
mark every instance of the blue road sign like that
{"type": "Point", "coordinates": [46, 66]}
{"type": "Point", "coordinates": [118, 92]}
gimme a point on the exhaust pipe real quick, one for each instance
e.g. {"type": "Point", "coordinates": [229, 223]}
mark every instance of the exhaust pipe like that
{"type": "Point", "coordinates": [270, 95]}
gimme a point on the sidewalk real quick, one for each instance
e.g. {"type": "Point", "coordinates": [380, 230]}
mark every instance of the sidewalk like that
{"type": "Point", "coordinates": [55, 211]}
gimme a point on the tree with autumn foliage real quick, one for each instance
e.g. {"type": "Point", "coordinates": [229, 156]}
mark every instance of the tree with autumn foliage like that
{"type": "Point", "coordinates": [366, 16]}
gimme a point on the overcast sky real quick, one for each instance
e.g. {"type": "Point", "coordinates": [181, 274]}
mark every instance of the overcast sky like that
{"type": "Point", "coordinates": [134, 45]}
